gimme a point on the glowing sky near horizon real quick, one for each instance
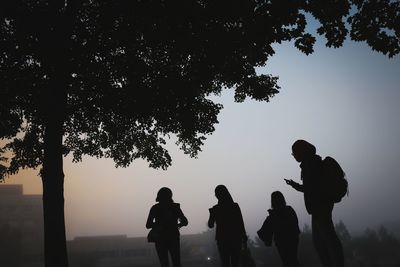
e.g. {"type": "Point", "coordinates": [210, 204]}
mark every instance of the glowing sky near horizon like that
{"type": "Point", "coordinates": [345, 101]}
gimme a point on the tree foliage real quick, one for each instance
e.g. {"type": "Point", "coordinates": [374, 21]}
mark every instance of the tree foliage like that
{"type": "Point", "coordinates": [373, 247]}
{"type": "Point", "coordinates": [116, 79]}
{"type": "Point", "coordinates": [134, 72]}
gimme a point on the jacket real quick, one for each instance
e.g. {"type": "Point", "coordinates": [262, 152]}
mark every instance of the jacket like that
{"type": "Point", "coordinates": [229, 220]}
{"type": "Point", "coordinates": [282, 225]}
{"type": "Point", "coordinates": [315, 198]}
{"type": "Point", "coordinates": [166, 218]}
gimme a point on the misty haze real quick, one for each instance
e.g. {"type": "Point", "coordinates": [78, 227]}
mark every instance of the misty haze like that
{"type": "Point", "coordinates": [344, 101]}
{"type": "Point", "coordinates": [250, 153]}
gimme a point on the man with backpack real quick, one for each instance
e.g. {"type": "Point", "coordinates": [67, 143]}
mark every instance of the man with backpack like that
{"type": "Point", "coordinates": [319, 185]}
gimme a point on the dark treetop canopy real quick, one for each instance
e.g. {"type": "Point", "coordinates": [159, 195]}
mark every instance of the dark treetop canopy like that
{"type": "Point", "coordinates": [123, 75]}
{"type": "Point", "coordinates": [116, 78]}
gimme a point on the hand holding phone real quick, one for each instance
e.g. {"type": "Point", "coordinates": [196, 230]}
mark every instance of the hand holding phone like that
{"type": "Point", "coordinates": [289, 182]}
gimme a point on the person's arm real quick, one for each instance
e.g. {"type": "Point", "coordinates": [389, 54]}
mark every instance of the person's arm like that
{"type": "Point", "coordinates": [294, 218]}
{"type": "Point", "coordinates": [242, 228]}
{"type": "Point", "coordinates": [150, 219]}
{"type": "Point", "coordinates": [297, 186]}
{"type": "Point", "coordinates": [266, 232]}
{"type": "Point", "coordinates": [211, 219]}
{"type": "Point", "coordinates": [183, 221]}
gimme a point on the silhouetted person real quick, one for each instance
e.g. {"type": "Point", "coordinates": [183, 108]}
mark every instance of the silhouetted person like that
{"type": "Point", "coordinates": [166, 218]}
{"type": "Point", "coordinates": [326, 242]}
{"type": "Point", "coordinates": [282, 225]}
{"type": "Point", "coordinates": [230, 233]}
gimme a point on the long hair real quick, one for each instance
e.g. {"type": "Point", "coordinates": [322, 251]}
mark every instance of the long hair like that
{"type": "Point", "coordinates": [277, 200]}
{"type": "Point", "coordinates": [164, 195]}
{"type": "Point", "coordinates": [223, 195]}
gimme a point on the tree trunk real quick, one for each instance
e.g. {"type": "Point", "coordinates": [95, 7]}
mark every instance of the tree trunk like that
{"type": "Point", "coordinates": [53, 195]}
{"type": "Point", "coordinates": [57, 55]}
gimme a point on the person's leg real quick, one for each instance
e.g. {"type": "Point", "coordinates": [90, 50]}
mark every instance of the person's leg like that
{"type": "Point", "coordinates": [224, 254]}
{"type": "Point", "coordinates": [319, 238]}
{"type": "Point", "coordinates": [235, 253]}
{"type": "Point", "coordinates": [283, 253]}
{"type": "Point", "coordinates": [333, 242]}
{"type": "Point", "coordinates": [174, 249]}
{"type": "Point", "coordinates": [162, 253]}
{"type": "Point", "coordinates": [292, 253]}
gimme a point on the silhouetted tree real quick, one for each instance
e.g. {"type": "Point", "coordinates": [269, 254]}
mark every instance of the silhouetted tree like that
{"type": "Point", "coordinates": [115, 78]}
{"type": "Point", "coordinates": [345, 237]}
{"type": "Point", "coordinates": [342, 232]}
{"type": "Point", "coordinates": [263, 255]}
{"type": "Point", "coordinates": [307, 254]}
{"type": "Point", "coordinates": [372, 248]}
{"type": "Point", "coordinates": [247, 256]}
{"type": "Point", "coordinates": [376, 248]}
{"type": "Point", "coordinates": [3, 168]}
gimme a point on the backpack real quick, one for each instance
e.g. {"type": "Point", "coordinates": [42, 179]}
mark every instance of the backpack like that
{"type": "Point", "coordinates": [266, 233]}
{"type": "Point", "coordinates": [336, 183]}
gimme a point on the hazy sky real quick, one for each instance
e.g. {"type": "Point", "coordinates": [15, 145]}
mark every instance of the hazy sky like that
{"type": "Point", "coordinates": [344, 101]}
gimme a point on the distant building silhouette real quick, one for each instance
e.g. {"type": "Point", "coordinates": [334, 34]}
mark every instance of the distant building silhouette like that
{"type": "Point", "coordinates": [21, 228]}
{"type": "Point", "coordinates": [21, 240]}
{"type": "Point", "coordinates": [120, 251]}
